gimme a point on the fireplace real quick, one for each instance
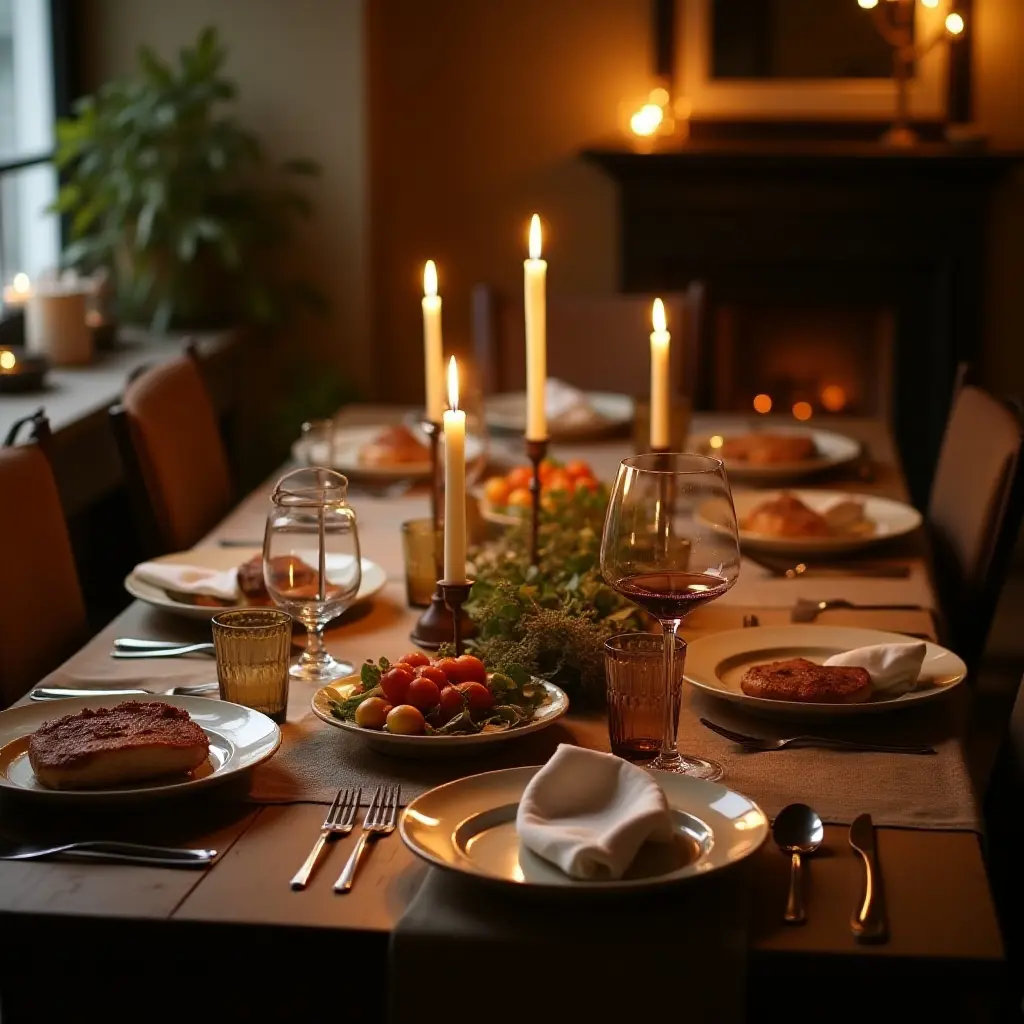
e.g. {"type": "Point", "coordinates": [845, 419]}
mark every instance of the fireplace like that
{"type": "Point", "coordinates": [840, 278]}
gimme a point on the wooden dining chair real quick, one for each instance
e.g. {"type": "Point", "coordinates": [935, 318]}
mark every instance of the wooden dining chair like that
{"type": "Point", "coordinates": [175, 463]}
{"type": "Point", "coordinates": [43, 620]}
{"type": "Point", "coordinates": [595, 342]}
{"type": "Point", "coordinates": [975, 511]}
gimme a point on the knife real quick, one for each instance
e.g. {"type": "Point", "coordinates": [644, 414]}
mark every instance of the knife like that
{"type": "Point", "coordinates": [60, 692]}
{"type": "Point", "coordinates": [869, 922]}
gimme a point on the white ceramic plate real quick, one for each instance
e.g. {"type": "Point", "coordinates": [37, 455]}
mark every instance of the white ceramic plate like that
{"type": "Point", "coordinates": [716, 663]}
{"type": "Point", "coordinates": [434, 746]}
{"type": "Point", "coordinates": [507, 412]}
{"type": "Point", "coordinates": [833, 450]}
{"type": "Point", "coordinates": [348, 443]}
{"type": "Point", "coordinates": [885, 519]}
{"type": "Point", "coordinates": [468, 826]}
{"type": "Point", "coordinates": [373, 579]}
{"type": "Point", "coordinates": [239, 738]}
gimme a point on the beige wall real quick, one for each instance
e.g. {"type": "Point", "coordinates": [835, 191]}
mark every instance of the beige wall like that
{"type": "Point", "coordinates": [299, 67]}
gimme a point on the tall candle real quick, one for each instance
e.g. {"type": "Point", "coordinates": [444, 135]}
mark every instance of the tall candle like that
{"type": "Point", "coordinates": [534, 284]}
{"type": "Point", "coordinates": [454, 482]}
{"type": "Point", "coordinates": [432, 347]}
{"type": "Point", "coordinates": [18, 292]}
{"type": "Point", "coordinates": [659, 379]}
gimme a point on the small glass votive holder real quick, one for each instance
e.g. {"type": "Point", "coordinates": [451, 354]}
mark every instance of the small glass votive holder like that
{"type": "Point", "coordinates": [318, 443]}
{"type": "Point", "coordinates": [420, 548]}
{"type": "Point", "coordinates": [634, 665]}
{"type": "Point", "coordinates": [253, 648]}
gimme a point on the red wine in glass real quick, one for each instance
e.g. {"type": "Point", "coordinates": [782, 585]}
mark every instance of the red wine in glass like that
{"type": "Point", "coordinates": [671, 595]}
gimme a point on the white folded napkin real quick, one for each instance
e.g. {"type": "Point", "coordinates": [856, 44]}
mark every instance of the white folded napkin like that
{"type": "Point", "coordinates": [567, 405]}
{"type": "Point", "coordinates": [589, 813]}
{"type": "Point", "coordinates": [892, 667]}
{"type": "Point", "coordinates": [190, 579]}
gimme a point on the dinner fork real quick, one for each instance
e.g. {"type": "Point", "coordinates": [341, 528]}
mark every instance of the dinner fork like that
{"type": "Point", "coordinates": [339, 821]}
{"type": "Point", "coordinates": [807, 611]}
{"type": "Point", "coordinates": [380, 820]}
{"type": "Point", "coordinates": [759, 745]}
{"type": "Point", "coordinates": [162, 652]}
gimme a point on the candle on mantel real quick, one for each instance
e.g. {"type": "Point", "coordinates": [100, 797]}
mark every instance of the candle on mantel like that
{"type": "Point", "coordinates": [660, 404]}
{"type": "Point", "coordinates": [18, 292]}
{"type": "Point", "coordinates": [454, 482]}
{"type": "Point", "coordinates": [432, 347]}
{"type": "Point", "coordinates": [534, 284]}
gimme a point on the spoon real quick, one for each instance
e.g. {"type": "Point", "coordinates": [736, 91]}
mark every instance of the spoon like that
{"type": "Point", "coordinates": [797, 831]}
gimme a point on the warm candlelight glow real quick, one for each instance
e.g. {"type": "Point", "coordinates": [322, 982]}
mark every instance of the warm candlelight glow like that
{"type": "Point", "coordinates": [762, 403]}
{"type": "Point", "coordinates": [659, 96]}
{"type": "Point", "coordinates": [803, 410]}
{"type": "Point", "coordinates": [430, 279]}
{"type": "Point", "coordinates": [535, 237]}
{"type": "Point", "coordinates": [646, 120]}
{"type": "Point", "coordinates": [658, 315]}
{"type": "Point", "coordinates": [453, 385]}
{"type": "Point", "coordinates": [833, 397]}
{"type": "Point", "coordinates": [21, 284]}
{"type": "Point", "coordinates": [930, 3]}
{"type": "Point", "coordinates": [868, 4]}
{"type": "Point", "coordinates": [954, 24]}
{"type": "Point", "coordinates": [716, 441]}
{"type": "Point", "coordinates": [7, 360]}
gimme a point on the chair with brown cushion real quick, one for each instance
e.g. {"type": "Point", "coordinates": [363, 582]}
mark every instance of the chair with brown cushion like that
{"type": "Point", "coordinates": [174, 458]}
{"type": "Point", "coordinates": [975, 511]}
{"type": "Point", "coordinates": [43, 620]}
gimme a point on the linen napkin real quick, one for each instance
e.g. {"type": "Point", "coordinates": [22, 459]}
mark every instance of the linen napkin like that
{"type": "Point", "coordinates": [190, 579]}
{"type": "Point", "coordinates": [567, 406]}
{"type": "Point", "coordinates": [892, 667]}
{"type": "Point", "coordinates": [589, 813]}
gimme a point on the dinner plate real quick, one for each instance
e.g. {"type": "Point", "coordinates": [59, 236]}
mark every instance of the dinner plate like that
{"type": "Point", "coordinates": [716, 663]}
{"type": "Point", "coordinates": [349, 442]}
{"type": "Point", "coordinates": [434, 746]}
{"type": "Point", "coordinates": [612, 413]}
{"type": "Point", "coordinates": [373, 579]}
{"type": "Point", "coordinates": [239, 739]}
{"type": "Point", "coordinates": [469, 826]}
{"type": "Point", "coordinates": [883, 520]}
{"type": "Point", "coordinates": [833, 450]}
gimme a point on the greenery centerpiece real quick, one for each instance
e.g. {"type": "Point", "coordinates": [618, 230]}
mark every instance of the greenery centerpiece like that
{"type": "Point", "coordinates": [168, 192]}
{"type": "Point", "coordinates": [551, 619]}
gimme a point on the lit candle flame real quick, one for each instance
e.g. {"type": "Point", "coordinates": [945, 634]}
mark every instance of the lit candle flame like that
{"type": "Point", "coordinates": [954, 24]}
{"type": "Point", "coordinates": [7, 360]}
{"type": "Point", "coordinates": [658, 315]}
{"type": "Point", "coordinates": [868, 4]}
{"type": "Point", "coordinates": [430, 279]}
{"type": "Point", "coordinates": [21, 283]}
{"type": "Point", "coordinates": [535, 237]}
{"type": "Point", "coordinates": [453, 385]}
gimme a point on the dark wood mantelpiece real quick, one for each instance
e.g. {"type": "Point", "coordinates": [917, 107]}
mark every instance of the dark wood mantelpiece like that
{"type": "Point", "coordinates": [825, 222]}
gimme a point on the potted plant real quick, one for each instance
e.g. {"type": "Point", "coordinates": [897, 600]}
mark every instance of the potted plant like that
{"type": "Point", "coordinates": [166, 191]}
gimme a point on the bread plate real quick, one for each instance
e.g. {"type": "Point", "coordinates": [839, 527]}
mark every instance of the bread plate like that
{"type": "Point", "coordinates": [716, 663]}
{"type": "Point", "coordinates": [612, 413]}
{"type": "Point", "coordinates": [373, 580]}
{"type": "Point", "coordinates": [240, 738]}
{"type": "Point", "coordinates": [832, 450]}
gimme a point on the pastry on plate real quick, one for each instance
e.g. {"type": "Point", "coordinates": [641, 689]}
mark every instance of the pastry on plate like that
{"type": "Point", "coordinates": [800, 680]}
{"type": "Point", "coordinates": [757, 449]}
{"type": "Point", "coordinates": [786, 516]}
{"type": "Point", "coordinates": [130, 742]}
{"type": "Point", "coordinates": [393, 446]}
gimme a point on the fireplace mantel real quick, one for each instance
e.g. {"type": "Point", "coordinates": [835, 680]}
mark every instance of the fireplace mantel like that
{"type": "Point", "coordinates": [853, 224]}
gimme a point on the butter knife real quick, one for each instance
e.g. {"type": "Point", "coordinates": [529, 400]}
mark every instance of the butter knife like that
{"type": "Point", "coordinates": [869, 922]}
{"type": "Point", "coordinates": [61, 692]}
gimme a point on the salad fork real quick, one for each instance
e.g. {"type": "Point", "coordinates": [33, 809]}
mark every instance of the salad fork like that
{"type": "Point", "coordinates": [339, 821]}
{"type": "Point", "coordinates": [380, 820]}
{"type": "Point", "coordinates": [760, 745]}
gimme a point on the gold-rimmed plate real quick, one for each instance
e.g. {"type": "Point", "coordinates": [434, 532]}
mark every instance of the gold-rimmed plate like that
{"type": "Point", "coordinates": [830, 451]}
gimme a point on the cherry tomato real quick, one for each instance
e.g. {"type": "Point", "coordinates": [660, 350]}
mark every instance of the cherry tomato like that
{"type": "Point", "coordinates": [423, 693]}
{"type": "Point", "coordinates": [414, 659]}
{"type": "Point", "coordinates": [587, 483]}
{"type": "Point", "coordinates": [560, 481]}
{"type": "Point", "coordinates": [497, 490]}
{"type": "Point", "coordinates": [578, 469]}
{"type": "Point", "coordinates": [450, 703]}
{"type": "Point", "coordinates": [520, 498]}
{"type": "Point", "coordinates": [405, 720]}
{"type": "Point", "coordinates": [434, 673]}
{"type": "Point", "coordinates": [372, 713]}
{"type": "Point", "coordinates": [519, 477]}
{"type": "Point", "coordinates": [395, 682]}
{"type": "Point", "coordinates": [468, 669]}
{"type": "Point", "coordinates": [447, 666]}
{"type": "Point", "coordinates": [479, 697]}
{"type": "Point", "coordinates": [547, 468]}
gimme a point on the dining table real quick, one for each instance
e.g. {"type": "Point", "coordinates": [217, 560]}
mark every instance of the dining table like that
{"type": "Point", "coordinates": [87, 935]}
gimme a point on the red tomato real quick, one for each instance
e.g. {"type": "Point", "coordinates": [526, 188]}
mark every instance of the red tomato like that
{"type": "Point", "coordinates": [395, 682]}
{"type": "Point", "coordinates": [451, 703]}
{"type": "Point", "coordinates": [468, 669]}
{"type": "Point", "coordinates": [559, 481]}
{"type": "Point", "coordinates": [587, 483]}
{"type": "Point", "coordinates": [519, 478]}
{"type": "Point", "coordinates": [479, 697]}
{"type": "Point", "coordinates": [447, 666]}
{"type": "Point", "coordinates": [414, 659]}
{"type": "Point", "coordinates": [578, 469]}
{"type": "Point", "coordinates": [423, 693]}
{"type": "Point", "coordinates": [547, 468]}
{"type": "Point", "coordinates": [497, 490]}
{"type": "Point", "coordinates": [434, 673]}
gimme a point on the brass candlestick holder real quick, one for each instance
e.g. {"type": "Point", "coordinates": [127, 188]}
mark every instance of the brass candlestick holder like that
{"type": "Point", "coordinates": [536, 451]}
{"type": "Point", "coordinates": [456, 593]}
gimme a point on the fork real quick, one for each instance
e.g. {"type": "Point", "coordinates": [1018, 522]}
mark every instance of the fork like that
{"type": "Point", "coordinates": [380, 820]}
{"type": "Point", "coordinates": [162, 652]}
{"type": "Point", "coordinates": [807, 611]}
{"type": "Point", "coordinates": [339, 821]}
{"type": "Point", "coordinates": [758, 744]}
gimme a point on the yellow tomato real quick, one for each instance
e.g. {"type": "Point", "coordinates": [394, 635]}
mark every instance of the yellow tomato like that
{"type": "Point", "coordinates": [496, 490]}
{"type": "Point", "coordinates": [559, 481]}
{"type": "Point", "coordinates": [519, 477]}
{"type": "Point", "coordinates": [520, 498]}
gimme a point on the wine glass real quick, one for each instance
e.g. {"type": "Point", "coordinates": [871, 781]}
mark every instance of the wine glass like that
{"type": "Point", "coordinates": [670, 544]}
{"type": "Point", "coordinates": [311, 561]}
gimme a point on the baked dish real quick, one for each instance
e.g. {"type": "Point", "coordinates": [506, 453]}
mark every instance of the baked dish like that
{"type": "Point", "coordinates": [802, 681]}
{"type": "Point", "coordinates": [131, 742]}
{"type": "Point", "coordinates": [393, 446]}
{"type": "Point", "coordinates": [787, 516]}
{"type": "Point", "coordinates": [759, 449]}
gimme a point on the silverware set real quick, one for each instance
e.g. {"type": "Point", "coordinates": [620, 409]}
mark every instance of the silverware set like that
{"type": "Point", "coordinates": [380, 821]}
{"type": "Point", "coordinates": [760, 744]}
